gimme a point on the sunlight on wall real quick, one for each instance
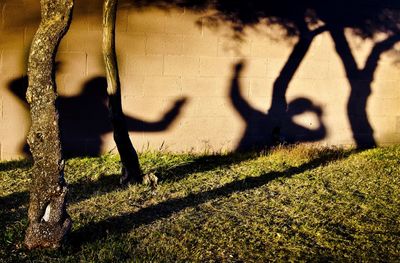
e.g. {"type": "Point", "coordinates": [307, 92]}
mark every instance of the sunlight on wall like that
{"type": "Point", "coordinates": [165, 57]}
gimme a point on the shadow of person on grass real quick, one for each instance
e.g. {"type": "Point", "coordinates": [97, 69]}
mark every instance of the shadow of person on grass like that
{"type": "Point", "coordinates": [84, 118]}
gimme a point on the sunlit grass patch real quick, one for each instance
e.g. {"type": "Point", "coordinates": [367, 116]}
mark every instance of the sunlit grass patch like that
{"type": "Point", "coordinates": [289, 203]}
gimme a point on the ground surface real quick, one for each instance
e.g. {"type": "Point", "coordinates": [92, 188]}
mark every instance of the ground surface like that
{"type": "Point", "coordinates": [286, 204]}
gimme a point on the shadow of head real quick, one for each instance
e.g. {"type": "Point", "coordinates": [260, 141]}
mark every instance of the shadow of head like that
{"type": "Point", "coordinates": [95, 88]}
{"type": "Point", "coordinates": [303, 105]}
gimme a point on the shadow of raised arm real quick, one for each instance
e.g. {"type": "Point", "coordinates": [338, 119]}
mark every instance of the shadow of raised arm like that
{"type": "Point", "coordinates": [165, 121]}
{"type": "Point", "coordinates": [240, 104]}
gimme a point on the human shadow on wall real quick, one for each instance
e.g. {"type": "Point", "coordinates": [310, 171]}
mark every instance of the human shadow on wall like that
{"type": "Point", "coordinates": [272, 128]}
{"type": "Point", "coordinates": [306, 19]}
{"type": "Point", "coordinates": [84, 118]}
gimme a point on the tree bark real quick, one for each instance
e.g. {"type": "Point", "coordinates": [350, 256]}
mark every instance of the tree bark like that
{"type": "Point", "coordinates": [129, 158]}
{"type": "Point", "coordinates": [49, 222]}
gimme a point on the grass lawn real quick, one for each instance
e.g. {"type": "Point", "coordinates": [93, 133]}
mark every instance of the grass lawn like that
{"type": "Point", "coordinates": [287, 204]}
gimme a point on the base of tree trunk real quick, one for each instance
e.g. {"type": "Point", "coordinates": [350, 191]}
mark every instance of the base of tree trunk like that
{"type": "Point", "coordinates": [47, 235]}
{"type": "Point", "coordinates": [148, 179]}
{"type": "Point", "coordinates": [51, 226]}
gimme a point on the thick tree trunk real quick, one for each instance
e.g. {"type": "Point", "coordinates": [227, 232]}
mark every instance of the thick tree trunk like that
{"type": "Point", "coordinates": [48, 220]}
{"type": "Point", "coordinates": [129, 158]}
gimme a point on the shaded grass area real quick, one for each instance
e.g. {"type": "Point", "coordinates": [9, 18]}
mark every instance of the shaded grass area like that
{"type": "Point", "coordinates": [295, 203]}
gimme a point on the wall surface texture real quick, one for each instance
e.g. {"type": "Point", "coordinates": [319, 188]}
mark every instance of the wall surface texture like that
{"type": "Point", "coordinates": [187, 86]}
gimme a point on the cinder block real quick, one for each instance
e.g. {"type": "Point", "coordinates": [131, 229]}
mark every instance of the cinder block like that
{"type": "Point", "coordinates": [63, 46]}
{"type": "Point", "coordinates": [95, 65]}
{"type": "Point", "coordinates": [205, 87]}
{"type": "Point", "coordinates": [29, 32]}
{"type": "Point", "coordinates": [206, 133]}
{"type": "Point", "coordinates": [121, 23]}
{"type": "Point", "coordinates": [385, 89]}
{"type": "Point", "coordinates": [164, 44]}
{"type": "Point", "coordinates": [70, 85]}
{"type": "Point", "coordinates": [15, 114]}
{"type": "Point", "coordinates": [144, 108]}
{"type": "Point", "coordinates": [383, 125]}
{"type": "Point", "coordinates": [213, 107]}
{"type": "Point", "coordinates": [187, 23]}
{"type": "Point", "coordinates": [387, 71]}
{"type": "Point", "coordinates": [12, 148]}
{"type": "Point", "coordinates": [145, 65]}
{"type": "Point", "coordinates": [267, 48]}
{"type": "Point", "coordinates": [82, 41]}
{"type": "Point", "coordinates": [13, 62]}
{"type": "Point", "coordinates": [80, 14]}
{"type": "Point", "coordinates": [336, 88]}
{"type": "Point", "coordinates": [397, 124]}
{"type": "Point", "coordinates": [1, 110]}
{"type": "Point", "coordinates": [313, 69]}
{"type": "Point", "coordinates": [261, 87]}
{"type": "Point", "coordinates": [274, 67]}
{"type": "Point", "coordinates": [181, 66]}
{"type": "Point", "coordinates": [149, 21]}
{"type": "Point", "coordinates": [383, 107]}
{"type": "Point", "coordinates": [200, 46]}
{"type": "Point", "coordinates": [322, 47]}
{"type": "Point", "coordinates": [95, 20]}
{"type": "Point", "coordinates": [132, 86]}
{"type": "Point", "coordinates": [336, 69]}
{"type": "Point", "coordinates": [314, 89]}
{"type": "Point", "coordinates": [387, 139]}
{"type": "Point", "coordinates": [194, 129]}
{"type": "Point", "coordinates": [122, 61]}
{"type": "Point", "coordinates": [79, 23]}
{"type": "Point", "coordinates": [230, 47]}
{"type": "Point", "coordinates": [257, 104]}
{"type": "Point", "coordinates": [210, 29]}
{"type": "Point", "coordinates": [93, 40]}
{"type": "Point", "coordinates": [132, 44]}
{"type": "Point", "coordinates": [72, 62]}
{"type": "Point", "coordinates": [255, 67]}
{"type": "Point", "coordinates": [14, 40]}
{"type": "Point", "coordinates": [216, 67]}
{"type": "Point", "coordinates": [162, 86]}
{"type": "Point", "coordinates": [14, 15]}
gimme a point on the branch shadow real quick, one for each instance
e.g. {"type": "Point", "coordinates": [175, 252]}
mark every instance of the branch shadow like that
{"type": "Point", "coordinates": [306, 19]}
{"type": "Point", "coordinates": [124, 223]}
{"type": "Point", "coordinates": [14, 206]}
{"type": "Point", "coordinates": [16, 164]}
{"type": "Point", "coordinates": [360, 80]}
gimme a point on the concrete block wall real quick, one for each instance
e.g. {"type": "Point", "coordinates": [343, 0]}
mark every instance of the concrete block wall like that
{"type": "Point", "coordinates": [168, 56]}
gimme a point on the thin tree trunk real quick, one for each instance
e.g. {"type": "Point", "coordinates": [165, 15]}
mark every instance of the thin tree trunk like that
{"type": "Point", "coordinates": [129, 158]}
{"type": "Point", "coordinates": [48, 220]}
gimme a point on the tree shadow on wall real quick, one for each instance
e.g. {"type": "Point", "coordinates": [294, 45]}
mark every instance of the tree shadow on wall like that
{"type": "Point", "coordinates": [272, 128]}
{"type": "Point", "coordinates": [84, 118]}
{"type": "Point", "coordinates": [305, 19]}
{"type": "Point", "coordinates": [360, 80]}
